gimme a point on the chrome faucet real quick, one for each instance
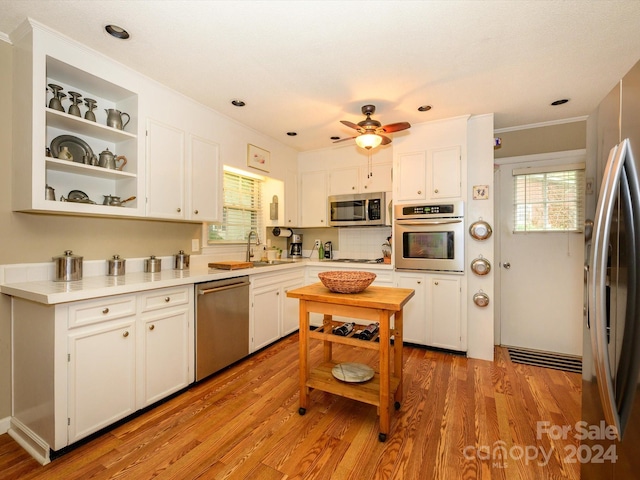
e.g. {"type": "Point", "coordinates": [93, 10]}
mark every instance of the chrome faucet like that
{"type": "Point", "coordinates": [249, 251]}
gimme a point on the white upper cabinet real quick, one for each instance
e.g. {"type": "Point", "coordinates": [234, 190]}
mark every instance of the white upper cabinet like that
{"type": "Point", "coordinates": [430, 164]}
{"type": "Point", "coordinates": [411, 180]}
{"type": "Point", "coordinates": [378, 178]}
{"type": "Point", "coordinates": [360, 179]}
{"type": "Point", "coordinates": [183, 183]}
{"type": "Point", "coordinates": [291, 199]}
{"type": "Point", "coordinates": [344, 181]}
{"type": "Point", "coordinates": [206, 176]}
{"type": "Point", "coordinates": [42, 63]}
{"type": "Point", "coordinates": [429, 175]}
{"type": "Point", "coordinates": [165, 171]}
{"type": "Point", "coordinates": [313, 199]}
{"type": "Point", "coordinates": [444, 167]}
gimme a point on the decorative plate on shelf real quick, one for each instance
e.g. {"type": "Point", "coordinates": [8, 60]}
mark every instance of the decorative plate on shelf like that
{"type": "Point", "coordinates": [78, 147]}
{"type": "Point", "coordinates": [353, 372]}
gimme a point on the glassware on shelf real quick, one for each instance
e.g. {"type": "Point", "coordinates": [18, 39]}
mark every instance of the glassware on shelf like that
{"type": "Point", "coordinates": [56, 102]}
{"type": "Point", "coordinates": [76, 98]}
{"type": "Point", "coordinates": [91, 105]}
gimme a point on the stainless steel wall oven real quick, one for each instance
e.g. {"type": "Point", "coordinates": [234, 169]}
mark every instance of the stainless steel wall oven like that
{"type": "Point", "coordinates": [429, 237]}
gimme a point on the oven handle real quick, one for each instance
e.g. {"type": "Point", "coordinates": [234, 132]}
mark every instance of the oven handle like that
{"type": "Point", "coordinates": [428, 222]}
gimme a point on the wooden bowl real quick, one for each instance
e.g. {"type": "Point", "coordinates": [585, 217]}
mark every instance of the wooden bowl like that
{"type": "Point", "coordinates": [346, 282]}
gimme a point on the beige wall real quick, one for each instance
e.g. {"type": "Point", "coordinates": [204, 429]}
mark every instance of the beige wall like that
{"type": "Point", "coordinates": [552, 138]}
{"type": "Point", "coordinates": [28, 238]}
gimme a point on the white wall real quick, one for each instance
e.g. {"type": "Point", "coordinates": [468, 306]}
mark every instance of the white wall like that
{"type": "Point", "coordinates": [480, 172]}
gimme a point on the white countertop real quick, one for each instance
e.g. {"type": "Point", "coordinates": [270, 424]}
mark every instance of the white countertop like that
{"type": "Point", "coordinates": [51, 293]}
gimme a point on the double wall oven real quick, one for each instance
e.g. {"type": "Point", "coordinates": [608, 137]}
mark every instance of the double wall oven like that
{"type": "Point", "coordinates": [429, 237]}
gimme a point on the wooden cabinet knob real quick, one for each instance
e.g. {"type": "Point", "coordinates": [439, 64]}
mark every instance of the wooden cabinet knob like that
{"type": "Point", "coordinates": [179, 210]}
{"type": "Point", "coordinates": [435, 283]}
{"type": "Point", "coordinates": [152, 327]}
{"type": "Point", "coordinates": [167, 299]}
{"type": "Point", "coordinates": [435, 191]}
{"type": "Point", "coordinates": [419, 192]}
{"type": "Point", "coordinates": [195, 211]}
{"type": "Point", "coordinates": [105, 311]}
{"type": "Point", "coordinates": [125, 334]}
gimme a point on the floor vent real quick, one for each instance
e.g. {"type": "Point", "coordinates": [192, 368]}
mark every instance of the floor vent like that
{"type": "Point", "coordinates": [539, 358]}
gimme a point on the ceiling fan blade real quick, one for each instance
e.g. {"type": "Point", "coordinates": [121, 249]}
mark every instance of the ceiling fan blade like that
{"type": "Point", "coordinates": [343, 139]}
{"type": "Point", "coordinates": [350, 124]}
{"type": "Point", "coordinates": [396, 127]}
{"type": "Point", "coordinates": [385, 140]}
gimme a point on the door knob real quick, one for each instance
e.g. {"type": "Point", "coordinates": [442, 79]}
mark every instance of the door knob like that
{"type": "Point", "coordinates": [506, 265]}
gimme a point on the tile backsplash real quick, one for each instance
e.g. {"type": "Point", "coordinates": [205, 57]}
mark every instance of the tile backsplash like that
{"type": "Point", "coordinates": [364, 242]}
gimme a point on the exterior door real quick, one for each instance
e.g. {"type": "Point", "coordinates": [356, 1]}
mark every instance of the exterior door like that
{"type": "Point", "coordinates": [541, 279]}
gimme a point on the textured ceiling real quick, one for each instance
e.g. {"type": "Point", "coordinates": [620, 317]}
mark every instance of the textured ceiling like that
{"type": "Point", "coordinates": [305, 65]}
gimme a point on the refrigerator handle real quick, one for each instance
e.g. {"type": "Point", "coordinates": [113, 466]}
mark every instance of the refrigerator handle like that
{"type": "Point", "coordinates": [629, 362]}
{"type": "Point", "coordinates": [598, 271]}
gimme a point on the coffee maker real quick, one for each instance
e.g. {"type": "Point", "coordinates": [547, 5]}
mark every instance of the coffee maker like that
{"type": "Point", "coordinates": [295, 245]}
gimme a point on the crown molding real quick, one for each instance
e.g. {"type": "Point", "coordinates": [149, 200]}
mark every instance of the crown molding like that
{"type": "Point", "coordinates": [542, 124]}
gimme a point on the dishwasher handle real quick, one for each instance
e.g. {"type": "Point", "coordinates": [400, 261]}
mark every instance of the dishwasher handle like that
{"type": "Point", "coordinates": [222, 288]}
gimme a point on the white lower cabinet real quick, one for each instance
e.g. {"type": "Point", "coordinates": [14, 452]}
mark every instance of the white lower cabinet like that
{"type": "Point", "coordinates": [81, 366]}
{"type": "Point", "coordinates": [433, 317]}
{"type": "Point", "coordinates": [273, 315]}
{"type": "Point", "coordinates": [166, 352]}
{"type": "Point", "coordinates": [265, 303]}
{"type": "Point", "coordinates": [444, 310]}
{"type": "Point", "coordinates": [101, 376]}
{"type": "Point", "coordinates": [290, 310]}
{"type": "Point", "coordinates": [415, 325]}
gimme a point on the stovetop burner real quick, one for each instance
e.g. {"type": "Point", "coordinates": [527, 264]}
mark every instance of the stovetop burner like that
{"type": "Point", "coordinates": [356, 260]}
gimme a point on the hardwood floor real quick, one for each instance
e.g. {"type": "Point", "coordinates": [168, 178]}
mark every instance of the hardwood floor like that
{"type": "Point", "coordinates": [460, 419]}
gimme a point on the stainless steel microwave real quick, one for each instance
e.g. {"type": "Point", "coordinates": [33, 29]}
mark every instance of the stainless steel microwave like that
{"type": "Point", "coordinates": [359, 209]}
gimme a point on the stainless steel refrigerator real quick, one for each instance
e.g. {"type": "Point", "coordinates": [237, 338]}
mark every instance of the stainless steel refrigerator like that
{"type": "Point", "coordinates": [610, 425]}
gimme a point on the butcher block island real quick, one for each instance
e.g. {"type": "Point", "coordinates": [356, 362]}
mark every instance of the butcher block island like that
{"type": "Point", "coordinates": [375, 304]}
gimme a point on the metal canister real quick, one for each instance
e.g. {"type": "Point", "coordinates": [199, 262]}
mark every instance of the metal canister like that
{"type": "Point", "coordinates": [181, 261]}
{"type": "Point", "coordinates": [68, 267]}
{"type": "Point", "coordinates": [152, 264]}
{"type": "Point", "coordinates": [116, 266]}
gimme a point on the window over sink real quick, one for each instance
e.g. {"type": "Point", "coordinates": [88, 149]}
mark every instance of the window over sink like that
{"type": "Point", "coordinates": [242, 208]}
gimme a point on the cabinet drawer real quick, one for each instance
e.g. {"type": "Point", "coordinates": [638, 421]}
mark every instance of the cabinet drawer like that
{"type": "Point", "coordinates": [167, 297]}
{"type": "Point", "coordinates": [101, 310]}
{"type": "Point", "coordinates": [263, 280]}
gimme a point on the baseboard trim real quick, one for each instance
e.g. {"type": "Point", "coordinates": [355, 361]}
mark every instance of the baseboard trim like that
{"type": "Point", "coordinates": [5, 423]}
{"type": "Point", "coordinates": [29, 441]}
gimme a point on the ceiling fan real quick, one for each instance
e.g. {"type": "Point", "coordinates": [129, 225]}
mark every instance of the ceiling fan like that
{"type": "Point", "coordinates": [371, 130]}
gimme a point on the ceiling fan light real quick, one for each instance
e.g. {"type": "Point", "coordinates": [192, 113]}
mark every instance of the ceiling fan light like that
{"type": "Point", "coordinates": [368, 140]}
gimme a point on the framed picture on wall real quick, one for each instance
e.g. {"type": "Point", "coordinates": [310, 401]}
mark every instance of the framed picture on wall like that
{"type": "Point", "coordinates": [258, 158]}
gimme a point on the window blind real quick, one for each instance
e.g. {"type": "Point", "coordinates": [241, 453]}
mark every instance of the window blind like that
{"type": "Point", "coordinates": [241, 211]}
{"type": "Point", "coordinates": [547, 200]}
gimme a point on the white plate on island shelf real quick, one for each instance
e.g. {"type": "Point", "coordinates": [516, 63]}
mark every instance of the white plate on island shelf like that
{"type": "Point", "coordinates": [353, 372]}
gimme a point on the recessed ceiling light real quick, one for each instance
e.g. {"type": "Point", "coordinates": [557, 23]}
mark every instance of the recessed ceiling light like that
{"type": "Point", "coordinates": [117, 32]}
{"type": "Point", "coordinates": [335, 138]}
{"type": "Point", "coordinates": [562, 101]}
{"type": "Point", "coordinates": [292, 134]}
{"type": "Point", "coordinates": [424, 108]}
{"type": "Point", "coordinates": [238, 103]}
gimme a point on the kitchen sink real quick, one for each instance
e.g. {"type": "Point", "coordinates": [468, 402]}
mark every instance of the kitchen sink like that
{"type": "Point", "coordinates": [268, 263]}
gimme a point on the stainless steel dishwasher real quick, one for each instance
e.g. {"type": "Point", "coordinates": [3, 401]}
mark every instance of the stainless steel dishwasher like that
{"type": "Point", "coordinates": [222, 324]}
